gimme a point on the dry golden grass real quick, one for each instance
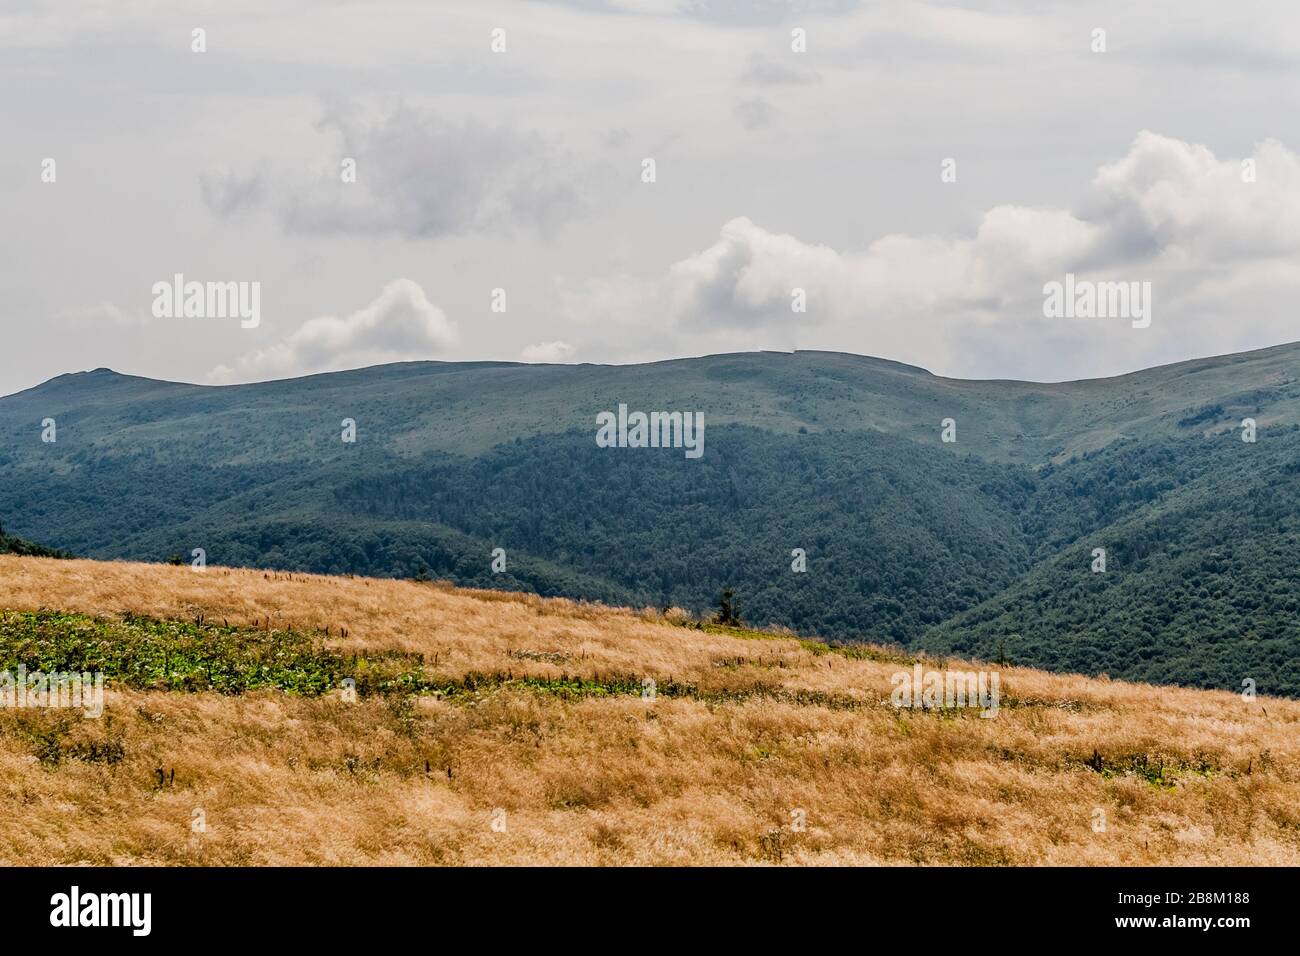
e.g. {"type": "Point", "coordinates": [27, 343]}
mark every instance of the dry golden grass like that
{"type": "Point", "coordinates": [282, 779]}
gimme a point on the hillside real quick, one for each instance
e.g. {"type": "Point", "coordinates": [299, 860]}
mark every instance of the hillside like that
{"type": "Point", "coordinates": [980, 546]}
{"type": "Point", "coordinates": [11, 545]}
{"type": "Point", "coordinates": [1200, 585]}
{"type": "Point", "coordinates": [224, 708]}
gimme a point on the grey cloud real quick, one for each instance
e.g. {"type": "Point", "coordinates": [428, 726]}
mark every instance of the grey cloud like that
{"type": "Point", "coordinates": [226, 192]}
{"type": "Point", "coordinates": [420, 175]}
{"type": "Point", "coordinates": [766, 71]}
{"type": "Point", "coordinates": [756, 113]}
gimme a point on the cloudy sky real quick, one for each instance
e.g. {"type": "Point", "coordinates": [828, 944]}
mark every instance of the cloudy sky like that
{"type": "Point", "coordinates": [522, 171]}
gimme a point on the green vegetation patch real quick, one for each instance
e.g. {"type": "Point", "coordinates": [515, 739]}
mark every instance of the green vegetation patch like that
{"type": "Point", "coordinates": [145, 653]}
{"type": "Point", "coordinates": [150, 654]}
{"type": "Point", "coordinates": [1161, 770]}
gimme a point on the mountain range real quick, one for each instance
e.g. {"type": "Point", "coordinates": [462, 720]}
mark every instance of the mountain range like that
{"type": "Point", "coordinates": [988, 546]}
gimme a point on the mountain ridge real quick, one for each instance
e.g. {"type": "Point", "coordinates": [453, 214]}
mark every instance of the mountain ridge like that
{"type": "Point", "coordinates": [502, 363]}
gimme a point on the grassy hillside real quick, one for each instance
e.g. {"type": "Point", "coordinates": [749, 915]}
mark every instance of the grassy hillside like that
{"type": "Point", "coordinates": [981, 545]}
{"type": "Point", "coordinates": [224, 706]}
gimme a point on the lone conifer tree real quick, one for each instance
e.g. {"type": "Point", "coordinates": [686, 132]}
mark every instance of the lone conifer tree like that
{"type": "Point", "coordinates": [728, 609]}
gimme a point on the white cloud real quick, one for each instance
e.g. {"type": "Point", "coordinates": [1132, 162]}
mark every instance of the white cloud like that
{"type": "Point", "coordinates": [548, 352]}
{"type": "Point", "coordinates": [746, 278]}
{"type": "Point", "coordinates": [400, 325]}
{"type": "Point", "coordinates": [1168, 212]}
{"type": "Point", "coordinates": [1178, 199]}
{"type": "Point", "coordinates": [103, 313]}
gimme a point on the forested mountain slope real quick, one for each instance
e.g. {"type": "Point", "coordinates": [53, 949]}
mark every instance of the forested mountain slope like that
{"type": "Point", "coordinates": [982, 545]}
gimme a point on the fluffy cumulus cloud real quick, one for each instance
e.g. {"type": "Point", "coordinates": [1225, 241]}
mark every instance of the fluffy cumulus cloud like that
{"type": "Point", "coordinates": [1218, 249]}
{"type": "Point", "coordinates": [418, 175]}
{"type": "Point", "coordinates": [746, 278]}
{"type": "Point", "coordinates": [1173, 198]}
{"type": "Point", "coordinates": [401, 325]}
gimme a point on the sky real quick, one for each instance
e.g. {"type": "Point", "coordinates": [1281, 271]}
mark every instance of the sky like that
{"type": "Point", "coordinates": [915, 172]}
